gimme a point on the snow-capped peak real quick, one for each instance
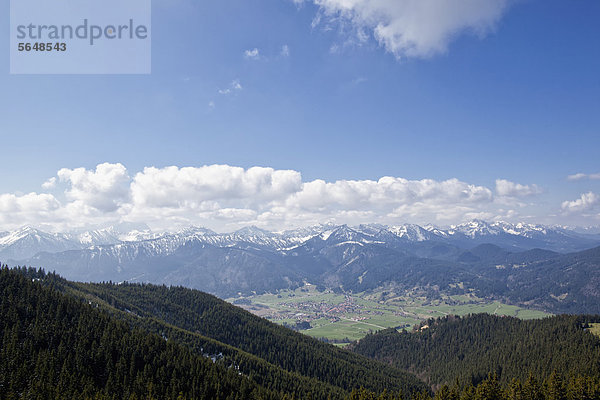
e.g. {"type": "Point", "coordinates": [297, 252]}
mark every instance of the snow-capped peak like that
{"type": "Point", "coordinates": [411, 232]}
{"type": "Point", "coordinates": [30, 233]}
{"type": "Point", "coordinates": [475, 228]}
{"type": "Point", "coordinates": [250, 231]}
{"type": "Point", "coordinates": [344, 233]}
{"type": "Point", "coordinates": [28, 241]}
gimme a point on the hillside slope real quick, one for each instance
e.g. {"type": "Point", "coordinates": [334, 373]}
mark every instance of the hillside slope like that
{"type": "Point", "coordinates": [469, 348]}
{"type": "Point", "coordinates": [238, 333]}
{"type": "Point", "coordinates": [274, 358]}
{"type": "Point", "coordinates": [56, 347]}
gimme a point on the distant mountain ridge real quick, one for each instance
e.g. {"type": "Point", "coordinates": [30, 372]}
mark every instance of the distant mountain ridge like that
{"type": "Point", "coordinates": [27, 241]}
{"type": "Point", "coordinates": [510, 262]}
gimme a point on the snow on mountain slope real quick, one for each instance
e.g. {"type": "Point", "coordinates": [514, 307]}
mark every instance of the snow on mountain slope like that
{"type": "Point", "coordinates": [27, 241]}
{"type": "Point", "coordinates": [336, 255]}
{"type": "Point", "coordinates": [301, 235]}
{"type": "Point", "coordinates": [97, 237]}
{"type": "Point", "coordinates": [130, 239]}
{"type": "Point", "coordinates": [412, 232]}
{"type": "Point", "coordinates": [478, 228]}
{"type": "Point", "coordinates": [473, 229]}
{"type": "Point", "coordinates": [120, 232]}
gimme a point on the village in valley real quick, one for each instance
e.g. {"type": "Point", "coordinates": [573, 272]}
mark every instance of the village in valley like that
{"type": "Point", "coordinates": [340, 318]}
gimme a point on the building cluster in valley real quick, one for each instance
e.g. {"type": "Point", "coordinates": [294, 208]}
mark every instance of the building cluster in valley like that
{"type": "Point", "coordinates": [312, 310]}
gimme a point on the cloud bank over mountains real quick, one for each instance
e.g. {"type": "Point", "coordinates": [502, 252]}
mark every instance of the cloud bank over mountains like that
{"type": "Point", "coordinates": [512, 189]}
{"type": "Point", "coordinates": [586, 203]}
{"type": "Point", "coordinates": [223, 197]}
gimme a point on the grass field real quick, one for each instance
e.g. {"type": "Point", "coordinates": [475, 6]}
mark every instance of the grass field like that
{"type": "Point", "coordinates": [343, 318]}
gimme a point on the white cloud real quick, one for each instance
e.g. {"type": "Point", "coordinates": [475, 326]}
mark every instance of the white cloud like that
{"type": "Point", "coordinates": [104, 189]}
{"type": "Point", "coordinates": [386, 193]}
{"type": "Point", "coordinates": [576, 177]}
{"type": "Point", "coordinates": [205, 195]}
{"type": "Point", "coordinates": [387, 200]}
{"type": "Point", "coordinates": [32, 202]}
{"type": "Point", "coordinates": [285, 51]}
{"type": "Point", "coordinates": [192, 186]}
{"type": "Point", "coordinates": [586, 202]}
{"type": "Point", "coordinates": [49, 184]}
{"type": "Point", "coordinates": [413, 28]}
{"type": "Point", "coordinates": [30, 208]}
{"type": "Point", "coordinates": [91, 196]}
{"type": "Point", "coordinates": [579, 176]}
{"type": "Point", "coordinates": [224, 197]}
{"type": "Point", "coordinates": [252, 54]}
{"type": "Point", "coordinates": [234, 86]}
{"type": "Point", "coordinates": [512, 189]}
{"type": "Point", "coordinates": [359, 80]}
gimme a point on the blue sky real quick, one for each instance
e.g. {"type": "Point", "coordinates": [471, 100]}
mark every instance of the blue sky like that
{"type": "Point", "coordinates": [495, 90]}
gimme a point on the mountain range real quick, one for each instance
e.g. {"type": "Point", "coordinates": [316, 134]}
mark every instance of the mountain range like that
{"type": "Point", "coordinates": [550, 268]}
{"type": "Point", "coordinates": [27, 241]}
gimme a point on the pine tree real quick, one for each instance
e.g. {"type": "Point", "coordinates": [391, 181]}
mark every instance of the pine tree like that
{"type": "Point", "coordinates": [555, 389]}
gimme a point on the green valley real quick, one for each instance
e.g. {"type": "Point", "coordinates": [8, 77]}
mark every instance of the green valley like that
{"type": "Point", "coordinates": [343, 317]}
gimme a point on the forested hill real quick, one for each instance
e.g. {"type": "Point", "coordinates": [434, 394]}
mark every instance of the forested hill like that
{"type": "Point", "coordinates": [271, 361]}
{"type": "Point", "coordinates": [62, 339]}
{"type": "Point", "coordinates": [56, 347]}
{"type": "Point", "coordinates": [244, 333]}
{"type": "Point", "coordinates": [470, 348]}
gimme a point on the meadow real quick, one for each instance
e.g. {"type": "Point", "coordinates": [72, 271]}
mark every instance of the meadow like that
{"type": "Point", "coordinates": [344, 317]}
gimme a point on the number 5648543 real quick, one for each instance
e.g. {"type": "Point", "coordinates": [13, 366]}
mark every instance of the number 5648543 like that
{"type": "Point", "coordinates": [42, 47]}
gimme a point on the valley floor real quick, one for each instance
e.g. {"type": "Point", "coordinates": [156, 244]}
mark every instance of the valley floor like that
{"type": "Point", "coordinates": [341, 318]}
